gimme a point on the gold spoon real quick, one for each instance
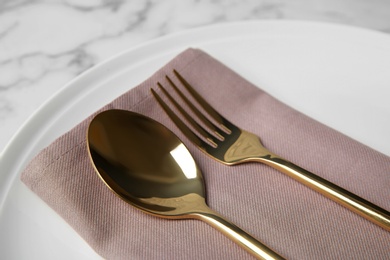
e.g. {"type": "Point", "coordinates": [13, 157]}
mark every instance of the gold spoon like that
{"type": "Point", "coordinates": [148, 166]}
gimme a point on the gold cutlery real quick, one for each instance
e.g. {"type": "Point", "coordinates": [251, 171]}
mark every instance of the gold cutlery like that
{"type": "Point", "coordinates": [228, 144]}
{"type": "Point", "coordinates": [146, 165]}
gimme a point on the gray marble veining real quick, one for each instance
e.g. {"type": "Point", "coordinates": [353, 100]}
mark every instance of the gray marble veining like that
{"type": "Point", "coordinates": [46, 43]}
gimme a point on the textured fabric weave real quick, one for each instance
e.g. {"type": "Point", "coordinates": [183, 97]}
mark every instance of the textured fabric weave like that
{"type": "Point", "coordinates": [295, 221]}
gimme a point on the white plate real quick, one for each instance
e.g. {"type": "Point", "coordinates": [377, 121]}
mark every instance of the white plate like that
{"type": "Point", "coordinates": [336, 74]}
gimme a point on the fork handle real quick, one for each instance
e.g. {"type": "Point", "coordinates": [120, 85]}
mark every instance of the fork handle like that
{"type": "Point", "coordinates": [364, 208]}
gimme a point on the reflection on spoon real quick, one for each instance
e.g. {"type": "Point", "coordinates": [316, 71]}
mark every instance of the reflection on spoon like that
{"type": "Point", "coordinates": [145, 164]}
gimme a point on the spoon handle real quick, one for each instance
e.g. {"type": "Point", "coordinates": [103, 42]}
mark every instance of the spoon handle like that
{"type": "Point", "coordinates": [249, 243]}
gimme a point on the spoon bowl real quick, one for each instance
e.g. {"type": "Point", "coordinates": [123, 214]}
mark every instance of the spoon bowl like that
{"type": "Point", "coordinates": [148, 166]}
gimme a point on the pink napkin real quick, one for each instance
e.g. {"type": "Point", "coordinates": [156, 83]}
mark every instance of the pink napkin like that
{"type": "Point", "coordinates": [295, 221]}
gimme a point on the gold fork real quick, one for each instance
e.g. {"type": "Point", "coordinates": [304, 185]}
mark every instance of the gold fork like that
{"type": "Point", "coordinates": [231, 145]}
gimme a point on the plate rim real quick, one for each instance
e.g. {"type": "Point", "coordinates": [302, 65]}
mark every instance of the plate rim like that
{"type": "Point", "coordinates": [55, 100]}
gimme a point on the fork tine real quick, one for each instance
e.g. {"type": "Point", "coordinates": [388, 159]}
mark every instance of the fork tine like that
{"type": "Point", "coordinates": [179, 123]}
{"type": "Point", "coordinates": [206, 106]}
{"type": "Point", "coordinates": [199, 114]}
{"type": "Point", "coordinates": [201, 131]}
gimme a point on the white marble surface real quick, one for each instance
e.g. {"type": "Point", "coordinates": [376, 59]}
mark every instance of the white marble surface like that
{"type": "Point", "coordinates": [46, 43]}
